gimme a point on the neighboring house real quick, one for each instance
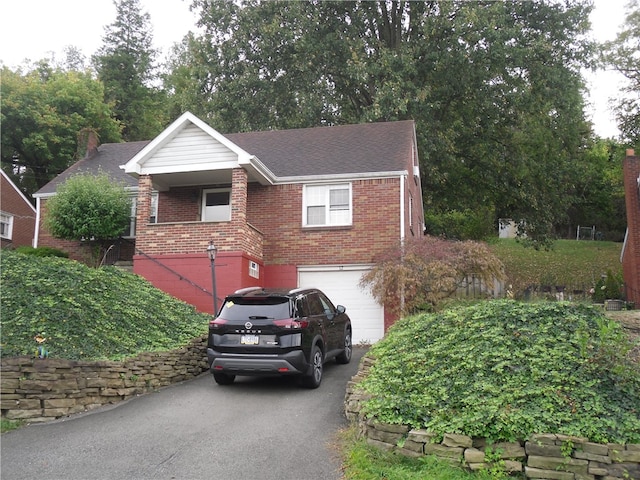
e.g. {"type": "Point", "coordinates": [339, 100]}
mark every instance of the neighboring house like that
{"type": "Point", "coordinates": [631, 248]}
{"type": "Point", "coordinates": [289, 208]}
{"type": "Point", "coordinates": [17, 215]}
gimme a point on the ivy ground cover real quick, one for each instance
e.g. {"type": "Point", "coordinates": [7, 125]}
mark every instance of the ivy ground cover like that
{"type": "Point", "coordinates": [503, 370]}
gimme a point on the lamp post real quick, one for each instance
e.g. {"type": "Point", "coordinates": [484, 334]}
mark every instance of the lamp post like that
{"type": "Point", "coordinates": [211, 251]}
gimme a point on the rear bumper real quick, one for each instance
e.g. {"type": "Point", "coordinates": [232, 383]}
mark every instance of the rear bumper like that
{"type": "Point", "coordinates": [290, 363]}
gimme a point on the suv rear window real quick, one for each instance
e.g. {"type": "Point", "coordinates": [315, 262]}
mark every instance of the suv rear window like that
{"type": "Point", "coordinates": [247, 308]}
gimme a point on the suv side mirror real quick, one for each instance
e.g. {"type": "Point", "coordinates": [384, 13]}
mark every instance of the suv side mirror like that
{"type": "Point", "coordinates": [340, 309]}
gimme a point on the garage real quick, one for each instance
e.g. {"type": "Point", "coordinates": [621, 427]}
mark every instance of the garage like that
{"type": "Point", "coordinates": [340, 283]}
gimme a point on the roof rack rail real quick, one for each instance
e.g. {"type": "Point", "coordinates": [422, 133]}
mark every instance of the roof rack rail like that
{"type": "Point", "coordinates": [247, 290]}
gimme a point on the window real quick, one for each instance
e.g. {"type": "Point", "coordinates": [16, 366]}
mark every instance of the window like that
{"type": "Point", "coordinates": [254, 270]}
{"type": "Point", "coordinates": [6, 226]}
{"type": "Point", "coordinates": [130, 231]}
{"type": "Point", "coordinates": [327, 205]}
{"type": "Point", "coordinates": [216, 205]}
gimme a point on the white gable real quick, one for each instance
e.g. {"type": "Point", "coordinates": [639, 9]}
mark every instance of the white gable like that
{"type": "Point", "coordinates": [189, 150]}
{"type": "Point", "coordinates": [189, 146]}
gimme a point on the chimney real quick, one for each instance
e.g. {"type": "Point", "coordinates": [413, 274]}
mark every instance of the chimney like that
{"type": "Point", "coordinates": [630, 152]}
{"type": "Point", "coordinates": [88, 142]}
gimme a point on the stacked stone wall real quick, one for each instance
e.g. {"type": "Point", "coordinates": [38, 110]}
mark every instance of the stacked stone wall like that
{"type": "Point", "coordinates": [542, 456]}
{"type": "Point", "coordinates": [39, 390]}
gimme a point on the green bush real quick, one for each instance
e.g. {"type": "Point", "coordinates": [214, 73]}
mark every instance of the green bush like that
{"type": "Point", "coordinates": [461, 225]}
{"type": "Point", "coordinates": [42, 252]}
{"type": "Point", "coordinates": [87, 313]}
{"type": "Point", "coordinates": [503, 370]}
{"type": "Point", "coordinates": [609, 287]}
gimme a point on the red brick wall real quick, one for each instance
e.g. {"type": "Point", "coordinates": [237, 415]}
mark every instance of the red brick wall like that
{"type": "Point", "coordinates": [24, 217]}
{"type": "Point", "coordinates": [631, 258]}
{"type": "Point", "coordinates": [276, 211]}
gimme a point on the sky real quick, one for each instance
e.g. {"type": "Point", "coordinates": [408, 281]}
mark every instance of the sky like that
{"type": "Point", "coordinates": [35, 29]}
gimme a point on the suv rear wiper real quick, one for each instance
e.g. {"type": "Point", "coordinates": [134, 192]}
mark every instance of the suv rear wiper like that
{"type": "Point", "coordinates": [259, 317]}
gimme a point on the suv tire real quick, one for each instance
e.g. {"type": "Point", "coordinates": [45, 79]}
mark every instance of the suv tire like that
{"type": "Point", "coordinates": [345, 356]}
{"type": "Point", "coordinates": [314, 377]}
{"type": "Point", "coordinates": [223, 378]}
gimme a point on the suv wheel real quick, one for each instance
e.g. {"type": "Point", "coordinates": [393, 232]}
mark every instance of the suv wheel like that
{"type": "Point", "coordinates": [345, 356]}
{"type": "Point", "coordinates": [223, 378]}
{"type": "Point", "coordinates": [314, 377]}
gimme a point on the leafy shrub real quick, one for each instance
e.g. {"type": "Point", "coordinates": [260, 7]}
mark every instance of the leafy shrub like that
{"type": "Point", "coordinates": [42, 251]}
{"type": "Point", "coordinates": [461, 225]}
{"type": "Point", "coordinates": [504, 370]}
{"type": "Point", "coordinates": [87, 313]}
{"type": "Point", "coordinates": [609, 287]}
{"type": "Point", "coordinates": [427, 270]}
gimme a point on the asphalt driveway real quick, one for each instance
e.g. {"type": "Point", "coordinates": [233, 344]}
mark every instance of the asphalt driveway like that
{"type": "Point", "coordinates": [253, 429]}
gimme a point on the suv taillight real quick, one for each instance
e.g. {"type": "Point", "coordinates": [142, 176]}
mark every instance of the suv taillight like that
{"type": "Point", "coordinates": [217, 322]}
{"type": "Point", "coordinates": [292, 324]}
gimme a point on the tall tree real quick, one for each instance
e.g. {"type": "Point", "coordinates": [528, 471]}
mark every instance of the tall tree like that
{"type": "Point", "coordinates": [494, 87]}
{"type": "Point", "coordinates": [43, 111]}
{"type": "Point", "coordinates": [125, 64]}
{"type": "Point", "coordinates": [622, 55]}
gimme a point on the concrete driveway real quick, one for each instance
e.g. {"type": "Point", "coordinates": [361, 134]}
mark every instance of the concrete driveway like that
{"type": "Point", "coordinates": [257, 428]}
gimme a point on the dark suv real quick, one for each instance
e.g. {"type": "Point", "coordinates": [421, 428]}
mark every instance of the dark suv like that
{"type": "Point", "coordinates": [277, 332]}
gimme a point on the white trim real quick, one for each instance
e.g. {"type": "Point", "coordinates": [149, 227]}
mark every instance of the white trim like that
{"type": "Point", "coordinates": [334, 267]}
{"type": "Point", "coordinates": [340, 177]}
{"type": "Point", "coordinates": [327, 204]}
{"type": "Point", "coordinates": [36, 234]}
{"type": "Point", "coordinates": [203, 206]}
{"type": "Point", "coordinates": [13, 185]}
{"type": "Point", "coordinates": [9, 233]}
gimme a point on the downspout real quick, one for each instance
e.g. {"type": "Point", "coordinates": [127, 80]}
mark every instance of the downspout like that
{"type": "Point", "coordinates": [37, 229]}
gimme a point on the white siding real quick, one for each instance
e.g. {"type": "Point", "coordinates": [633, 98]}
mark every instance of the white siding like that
{"type": "Point", "coordinates": [191, 149]}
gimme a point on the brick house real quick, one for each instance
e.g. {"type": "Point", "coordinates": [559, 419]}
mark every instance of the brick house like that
{"type": "Point", "coordinates": [287, 208]}
{"type": "Point", "coordinates": [17, 215]}
{"type": "Point", "coordinates": [631, 247]}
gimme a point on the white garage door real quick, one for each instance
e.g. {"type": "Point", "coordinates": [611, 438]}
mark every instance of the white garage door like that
{"type": "Point", "coordinates": [341, 286]}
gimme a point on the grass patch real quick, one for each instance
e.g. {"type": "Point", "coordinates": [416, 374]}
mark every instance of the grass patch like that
{"type": "Point", "coordinates": [8, 425]}
{"type": "Point", "coordinates": [86, 313]}
{"type": "Point", "coordinates": [576, 264]}
{"type": "Point", "coordinates": [365, 462]}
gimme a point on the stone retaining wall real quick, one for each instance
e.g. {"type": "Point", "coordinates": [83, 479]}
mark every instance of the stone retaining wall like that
{"type": "Point", "coordinates": [543, 456]}
{"type": "Point", "coordinates": [39, 390]}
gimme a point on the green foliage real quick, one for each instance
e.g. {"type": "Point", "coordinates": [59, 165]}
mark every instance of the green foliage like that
{"type": "Point", "coordinates": [571, 263]}
{"type": "Point", "coordinates": [366, 462]}
{"type": "Point", "coordinates": [42, 251]}
{"type": "Point", "coordinates": [8, 425]}
{"type": "Point", "coordinates": [125, 64]}
{"type": "Point", "coordinates": [468, 224]}
{"type": "Point", "coordinates": [90, 207]}
{"type": "Point", "coordinates": [494, 87]}
{"type": "Point", "coordinates": [621, 54]}
{"type": "Point", "coordinates": [43, 111]}
{"type": "Point", "coordinates": [504, 370]}
{"type": "Point", "coordinates": [87, 313]}
{"type": "Point", "coordinates": [609, 287]}
{"type": "Point", "coordinates": [426, 271]}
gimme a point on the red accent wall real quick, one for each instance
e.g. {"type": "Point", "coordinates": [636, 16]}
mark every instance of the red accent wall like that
{"type": "Point", "coordinates": [631, 254]}
{"type": "Point", "coordinates": [188, 276]}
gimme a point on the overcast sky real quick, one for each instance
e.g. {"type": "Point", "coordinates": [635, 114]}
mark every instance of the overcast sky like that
{"type": "Point", "coordinates": [33, 29]}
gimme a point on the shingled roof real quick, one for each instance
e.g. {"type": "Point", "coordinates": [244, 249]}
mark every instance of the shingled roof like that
{"type": "Point", "coordinates": [336, 150]}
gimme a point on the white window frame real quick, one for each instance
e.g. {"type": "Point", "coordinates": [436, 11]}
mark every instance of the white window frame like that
{"type": "Point", "coordinates": [7, 221]}
{"type": "Point", "coordinates": [254, 269]}
{"type": "Point", "coordinates": [220, 214]}
{"type": "Point", "coordinates": [324, 200]}
{"type": "Point", "coordinates": [153, 214]}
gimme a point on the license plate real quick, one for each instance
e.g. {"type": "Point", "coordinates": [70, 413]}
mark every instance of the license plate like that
{"type": "Point", "coordinates": [249, 339]}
